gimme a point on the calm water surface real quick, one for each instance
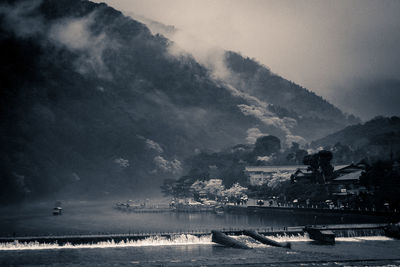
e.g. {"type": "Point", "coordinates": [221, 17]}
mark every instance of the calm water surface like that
{"type": "Point", "coordinates": [100, 217]}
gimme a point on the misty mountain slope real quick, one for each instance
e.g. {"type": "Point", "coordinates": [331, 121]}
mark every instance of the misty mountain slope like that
{"type": "Point", "coordinates": [380, 131]}
{"type": "Point", "coordinates": [374, 140]}
{"type": "Point", "coordinates": [93, 103]}
{"type": "Point", "coordinates": [262, 83]}
{"type": "Point", "coordinates": [286, 98]}
{"type": "Point", "coordinates": [278, 96]}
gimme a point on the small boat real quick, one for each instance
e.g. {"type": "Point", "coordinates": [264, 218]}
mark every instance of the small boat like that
{"type": "Point", "coordinates": [57, 211]}
{"type": "Point", "coordinates": [320, 235]}
{"type": "Point", "coordinates": [392, 230]}
{"type": "Point", "coordinates": [265, 240]}
{"type": "Point", "coordinates": [227, 241]}
{"type": "Point", "coordinates": [219, 210]}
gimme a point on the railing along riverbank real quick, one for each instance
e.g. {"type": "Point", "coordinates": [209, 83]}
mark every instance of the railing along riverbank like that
{"type": "Point", "coordinates": [310, 210]}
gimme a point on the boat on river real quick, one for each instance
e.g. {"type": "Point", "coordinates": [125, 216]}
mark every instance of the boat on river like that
{"type": "Point", "coordinates": [392, 230]}
{"type": "Point", "coordinates": [320, 234]}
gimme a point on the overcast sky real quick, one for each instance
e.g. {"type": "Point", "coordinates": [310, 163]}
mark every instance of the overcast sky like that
{"type": "Point", "coordinates": [346, 51]}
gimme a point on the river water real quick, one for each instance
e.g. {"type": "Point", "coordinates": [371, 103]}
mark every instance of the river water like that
{"type": "Point", "coordinates": [191, 251]}
{"type": "Point", "coordinates": [88, 217]}
{"type": "Point", "coordinates": [180, 250]}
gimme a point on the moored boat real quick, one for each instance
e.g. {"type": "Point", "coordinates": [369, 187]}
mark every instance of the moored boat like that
{"type": "Point", "coordinates": [392, 230]}
{"type": "Point", "coordinates": [320, 235]}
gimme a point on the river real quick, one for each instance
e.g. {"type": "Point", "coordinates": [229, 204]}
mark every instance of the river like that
{"type": "Point", "coordinates": [84, 217]}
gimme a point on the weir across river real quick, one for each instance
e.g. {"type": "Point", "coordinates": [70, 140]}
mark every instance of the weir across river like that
{"type": "Point", "coordinates": [343, 230]}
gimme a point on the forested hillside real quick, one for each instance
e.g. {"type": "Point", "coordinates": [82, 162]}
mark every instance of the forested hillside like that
{"type": "Point", "coordinates": [92, 103]}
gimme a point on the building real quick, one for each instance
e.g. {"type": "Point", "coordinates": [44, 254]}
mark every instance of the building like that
{"type": "Point", "coordinates": [259, 175]}
{"type": "Point", "coordinates": [347, 181]}
{"type": "Point", "coordinates": [301, 174]}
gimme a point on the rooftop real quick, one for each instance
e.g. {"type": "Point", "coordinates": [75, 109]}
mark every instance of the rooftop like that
{"type": "Point", "coordinates": [350, 176]}
{"type": "Point", "coordinates": [275, 168]}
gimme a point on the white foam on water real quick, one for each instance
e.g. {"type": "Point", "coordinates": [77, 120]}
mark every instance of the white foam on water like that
{"type": "Point", "coordinates": [364, 238]}
{"type": "Point", "coordinates": [150, 241]}
{"type": "Point", "coordinates": [183, 239]}
{"type": "Point", "coordinates": [290, 238]}
{"type": "Point", "coordinates": [306, 238]}
{"type": "Point", "coordinates": [249, 241]}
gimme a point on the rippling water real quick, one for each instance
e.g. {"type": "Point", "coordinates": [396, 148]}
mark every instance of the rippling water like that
{"type": "Point", "coordinates": [180, 250]}
{"type": "Point", "coordinates": [187, 250]}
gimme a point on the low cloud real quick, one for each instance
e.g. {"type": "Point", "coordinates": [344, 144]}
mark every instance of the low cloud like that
{"type": "Point", "coordinates": [75, 35]}
{"type": "Point", "coordinates": [150, 144]}
{"type": "Point", "coordinates": [174, 166]}
{"type": "Point", "coordinates": [207, 55]}
{"type": "Point", "coordinates": [290, 139]}
{"type": "Point", "coordinates": [22, 18]}
{"type": "Point", "coordinates": [185, 45]}
{"type": "Point", "coordinates": [334, 41]}
{"type": "Point", "coordinates": [121, 162]}
{"type": "Point", "coordinates": [25, 21]}
{"type": "Point", "coordinates": [265, 159]}
{"type": "Point", "coordinates": [265, 116]}
{"type": "Point", "coordinates": [253, 134]}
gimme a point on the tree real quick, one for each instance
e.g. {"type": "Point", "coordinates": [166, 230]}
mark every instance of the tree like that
{"type": "Point", "coordinates": [236, 192]}
{"type": "Point", "coordinates": [296, 155]}
{"type": "Point", "coordinates": [213, 188]}
{"type": "Point", "coordinates": [320, 165]}
{"type": "Point", "coordinates": [266, 145]}
{"type": "Point", "coordinates": [383, 181]}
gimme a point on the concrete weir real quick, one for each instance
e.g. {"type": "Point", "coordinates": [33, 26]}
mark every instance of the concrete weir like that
{"type": "Point", "coordinates": [339, 229]}
{"type": "Point", "coordinates": [227, 241]}
{"type": "Point", "coordinates": [265, 240]}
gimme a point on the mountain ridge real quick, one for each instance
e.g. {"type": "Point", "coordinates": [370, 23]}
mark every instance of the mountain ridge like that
{"type": "Point", "coordinates": [93, 103]}
{"type": "Point", "coordinates": [284, 98]}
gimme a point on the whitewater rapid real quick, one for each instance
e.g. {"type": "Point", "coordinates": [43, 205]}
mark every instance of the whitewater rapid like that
{"type": "Point", "coordinates": [178, 240]}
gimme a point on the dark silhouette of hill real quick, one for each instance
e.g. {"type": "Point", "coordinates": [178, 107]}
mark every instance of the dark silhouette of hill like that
{"type": "Point", "coordinates": [377, 139]}
{"type": "Point", "coordinates": [92, 103]}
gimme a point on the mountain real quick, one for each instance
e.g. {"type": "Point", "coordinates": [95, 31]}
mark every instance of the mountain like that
{"type": "Point", "coordinates": [92, 103]}
{"type": "Point", "coordinates": [282, 97]}
{"type": "Point", "coordinates": [378, 138]}
{"type": "Point", "coordinates": [315, 117]}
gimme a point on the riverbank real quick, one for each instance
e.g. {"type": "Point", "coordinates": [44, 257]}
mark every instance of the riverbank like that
{"type": "Point", "coordinates": [250, 208]}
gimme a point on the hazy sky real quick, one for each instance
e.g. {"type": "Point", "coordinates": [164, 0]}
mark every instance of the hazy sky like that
{"type": "Point", "coordinates": [346, 51]}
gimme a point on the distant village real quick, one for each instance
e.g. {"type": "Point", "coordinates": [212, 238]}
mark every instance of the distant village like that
{"type": "Point", "coordinates": [316, 183]}
{"type": "Point", "coordinates": [346, 189]}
